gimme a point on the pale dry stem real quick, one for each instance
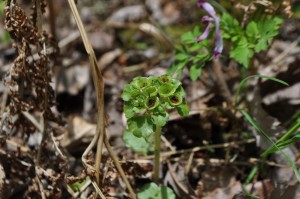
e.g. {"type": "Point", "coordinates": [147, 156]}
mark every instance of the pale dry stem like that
{"type": "Point", "coordinates": [99, 88]}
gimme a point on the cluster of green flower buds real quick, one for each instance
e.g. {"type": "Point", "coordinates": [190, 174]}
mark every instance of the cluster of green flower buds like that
{"type": "Point", "coordinates": [146, 104]}
{"type": "Point", "coordinates": [153, 96]}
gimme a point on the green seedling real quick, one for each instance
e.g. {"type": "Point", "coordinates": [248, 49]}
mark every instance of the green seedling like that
{"type": "Point", "coordinates": [184, 55]}
{"type": "Point", "coordinates": [152, 191]}
{"type": "Point", "coordinates": [147, 101]}
{"type": "Point", "coordinates": [77, 186]}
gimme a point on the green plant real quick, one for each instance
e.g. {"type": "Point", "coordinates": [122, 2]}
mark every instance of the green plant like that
{"type": "Point", "coordinates": [5, 36]}
{"type": "Point", "coordinates": [147, 101]}
{"type": "Point", "coordinates": [255, 37]}
{"type": "Point", "coordinates": [285, 141]}
{"type": "Point", "coordinates": [76, 186]}
{"type": "Point", "coordinates": [152, 191]}
{"type": "Point", "coordinates": [194, 50]}
{"type": "Point", "coordinates": [184, 55]}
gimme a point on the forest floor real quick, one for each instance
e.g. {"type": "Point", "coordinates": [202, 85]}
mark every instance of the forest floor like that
{"type": "Point", "coordinates": [209, 154]}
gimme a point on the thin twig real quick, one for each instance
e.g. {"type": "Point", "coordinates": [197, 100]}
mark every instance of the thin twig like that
{"type": "Point", "coordinates": [40, 185]}
{"type": "Point", "coordinates": [57, 147]}
{"type": "Point", "coordinates": [38, 125]}
{"type": "Point", "coordinates": [39, 18]}
{"type": "Point", "coordinates": [216, 162]}
{"type": "Point", "coordinates": [52, 18]}
{"type": "Point", "coordinates": [118, 166]}
{"type": "Point", "coordinates": [43, 139]}
{"type": "Point", "coordinates": [189, 164]}
{"type": "Point", "coordinates": [178, 183]}
{"type": "Point", "coordinates": [277, 60]}
{"type": "Point", "coordinates": [98, 189]}
{"type": "Point", "coordinates": [167, 143]}
{"type": "Point", "coordinates": [3, 105]}
{"type": "Point", "coordinates": [4, 99]}
{"type": "Point", "coordinates": [195, 149]}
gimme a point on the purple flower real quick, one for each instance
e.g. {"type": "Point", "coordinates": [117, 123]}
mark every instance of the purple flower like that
{"type": "Point", "coordinates": [206, 19]}
{"type": "Point", "coordinates": [204, 35]}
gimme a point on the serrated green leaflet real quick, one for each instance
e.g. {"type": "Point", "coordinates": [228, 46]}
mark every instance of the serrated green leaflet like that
{"type": "Point", "coordinates": [242, 54]}
{"type": "Point", "coordinates": [195, 71]}
{"type": "Point", "coordinates": [255, 38]}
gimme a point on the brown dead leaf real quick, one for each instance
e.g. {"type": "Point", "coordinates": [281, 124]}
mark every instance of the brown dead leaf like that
{"type": "Point", "coordinates": [102, 41]}
{"type": "Point", "coordinates": [133, 13]}
{"type": "Point", "coordinates": [228, 192]}
{"type": "Point", "coordinates": [78, 129]}
{"type": "Point", "coordinates": [108, 58]}
{"type": "Point", "coordinates": [164, 14]}
{"type": "Point", "coordinates": [73, 79]}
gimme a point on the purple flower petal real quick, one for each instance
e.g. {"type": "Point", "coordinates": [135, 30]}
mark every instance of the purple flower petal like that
{"type": "Point", "coordinates": [208, 8]}
{"type": "Point", "coordinates": [211, 11]}
{"type": "Point", "coordinates": [205, 34]}
{"type": "Point", "coordinates": [219, 47]}
{"type": "Point", "coordinates": [200, 3]}
{"type": "Point", "coordinates": [219, 42]}
{"type": "Point", "coordinates": [207, 19]}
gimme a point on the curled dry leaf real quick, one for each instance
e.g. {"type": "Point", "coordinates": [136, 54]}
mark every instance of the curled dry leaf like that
{"type": "Point", "coordinates": [108, 58]}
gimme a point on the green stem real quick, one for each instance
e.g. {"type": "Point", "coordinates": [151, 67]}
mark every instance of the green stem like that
{"type": "Point", "coordinates": [157, 153]}
{"type": "Point", "coordinates": [290, 132]}
{"type": "Point", "coordinates": [283, 138]}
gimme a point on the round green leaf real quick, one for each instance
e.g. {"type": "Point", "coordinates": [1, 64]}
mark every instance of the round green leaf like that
{"type": "Point", "coordinates": [137, 144]}
{"type": "Point", "coordinates": [141, 126]}
{"type": "Point", "coordinates": [160, 119]}
{"type": "Point", "coordinates": [152, 191]}
{"type": "Point", "coordinates": [183, 109]}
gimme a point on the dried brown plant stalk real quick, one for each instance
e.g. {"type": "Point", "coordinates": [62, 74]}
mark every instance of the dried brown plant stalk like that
{"type": "Point", "coordinates": [100, 131]}
{"type": "Point", "coordinates": [31, 96]}
{"type": "Point", "coordinates": [269, 7]}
